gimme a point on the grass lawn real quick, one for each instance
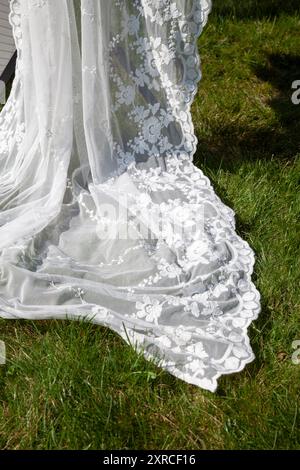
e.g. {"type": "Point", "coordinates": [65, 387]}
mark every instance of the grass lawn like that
{"type": "Point", "coordinates": [77, 386]}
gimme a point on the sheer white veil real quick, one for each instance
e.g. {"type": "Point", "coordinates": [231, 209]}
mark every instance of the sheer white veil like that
{"type": "Point", "coordinates": [103, 215]}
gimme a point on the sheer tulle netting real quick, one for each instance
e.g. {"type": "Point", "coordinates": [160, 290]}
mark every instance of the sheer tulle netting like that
{"type": "Point", "coordinates": [103, 215]}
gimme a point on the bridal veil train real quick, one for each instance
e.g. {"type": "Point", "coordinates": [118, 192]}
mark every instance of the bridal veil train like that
{"type": "Point", "coordinates": [103, 215]}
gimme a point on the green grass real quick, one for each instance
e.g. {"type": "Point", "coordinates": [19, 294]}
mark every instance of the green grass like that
{"type": "Point", "coordinates": [77, 386]}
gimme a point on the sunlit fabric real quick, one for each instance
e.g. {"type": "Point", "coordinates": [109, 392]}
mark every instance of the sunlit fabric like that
{"type": "Point", "coordinates": [103, 215]}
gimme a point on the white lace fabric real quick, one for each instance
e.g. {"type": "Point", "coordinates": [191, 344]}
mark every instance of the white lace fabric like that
{"type": "Point", "coordinates": [98, 126]}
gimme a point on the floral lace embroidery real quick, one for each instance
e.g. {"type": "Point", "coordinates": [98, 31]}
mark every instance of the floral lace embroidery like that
{"type": "Point", "coordinates": [204, 300]}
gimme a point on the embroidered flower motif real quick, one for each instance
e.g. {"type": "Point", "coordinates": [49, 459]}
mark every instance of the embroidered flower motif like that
{"type": "Point", "coordinates": [182, 334]}
{"type": "Point", "coordinates": [196, 367]}
{"type": "Point", "coordinates": [126, 95]}
{"type": "Point", "coordinates": [153, 73]}
{"type": "Point", "coordinates": [149, 310]}
{"type": "Point", "coordinates": [166, 55]}
{"type": "Point", "coordinates": [152, 129]}
{"type": "Point", "coordinates": [171, 271]}
{"type": "Point", "coordinates": [198, 350]}
{"type": "Point", "coordinates": [211, 309]}
{"type": "Point", "coordinates": [160, 11]}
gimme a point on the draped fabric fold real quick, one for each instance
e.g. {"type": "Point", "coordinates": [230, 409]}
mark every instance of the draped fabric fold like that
{"type": "Point", "coordinates": [103, 215]}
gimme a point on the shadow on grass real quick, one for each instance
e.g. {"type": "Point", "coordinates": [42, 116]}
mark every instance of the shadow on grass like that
{"type": "Point", "coordinates": [230, 145]}
{"type": "Point", "coordinates": [254, 9]}
{"type": "Point", "coordinates": [281, 71]}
